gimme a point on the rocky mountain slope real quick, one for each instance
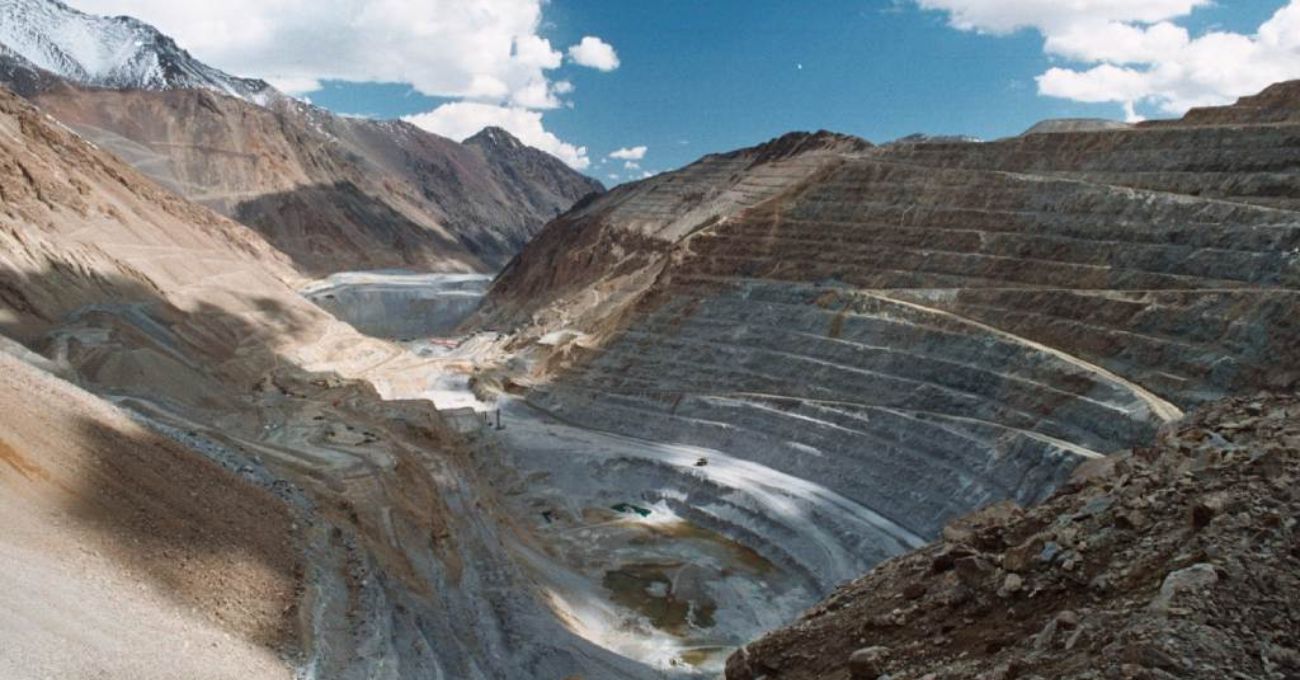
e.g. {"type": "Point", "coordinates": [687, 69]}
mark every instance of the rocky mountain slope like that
{"type": "Point", "coordinates": [120, 529]}
{"type": "Point", "coordinates": [122, 547]}
{"type": "Point", "coordinates": [259, 493]}
{"type": "Point", "coordinates": [923, 328]}
{"type": "Point", "coordinates": [1178, 559]}
{"type": "Point", "coordinates": [78, 225]}
{"type": "Point", "coordinates": [334, 193]}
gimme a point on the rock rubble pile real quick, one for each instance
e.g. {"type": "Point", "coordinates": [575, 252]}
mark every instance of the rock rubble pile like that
{"type": "Point", "coordinates": [1179, 559]}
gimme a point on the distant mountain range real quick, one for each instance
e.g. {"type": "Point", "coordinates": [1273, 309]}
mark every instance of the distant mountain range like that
{"type": "Point", "coordinates": [332, 192]}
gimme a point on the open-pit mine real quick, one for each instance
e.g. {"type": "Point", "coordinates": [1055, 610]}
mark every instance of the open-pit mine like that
{"type": "Point", "coordinates": [657, 432]}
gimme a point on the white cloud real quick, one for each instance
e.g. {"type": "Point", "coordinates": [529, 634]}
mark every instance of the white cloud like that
{"type": "Point", "coordinates": [459, 120]}
{"type": "Point", "coordinates": [631, 165]}
{"type": "Point", "coordinates": [484, 51]}
{"type": "Point", "coordinates": [1116, 42]}
{"type": "Point", "coordinates": [1048, 16]}
{"type": "Point", "coordinates": [1104, 83]}
{"type": "Point", "coordinates": [536, 95]}
{"type": "Point", "coordinates": [595, 53]}
{"type": "Point", "coordinates": [1131, 52]}
{"type": "Point", "coordinates": [634, 153]}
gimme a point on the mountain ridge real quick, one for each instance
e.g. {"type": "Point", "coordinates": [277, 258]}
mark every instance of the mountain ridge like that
{"type": "Point", "coordinates": [118, 52]}
{"type": "Point", "coordinates": [335, 193]}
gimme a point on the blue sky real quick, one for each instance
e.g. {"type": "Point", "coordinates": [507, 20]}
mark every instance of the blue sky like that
{"type": "Point", "coordinates": [698, 76]}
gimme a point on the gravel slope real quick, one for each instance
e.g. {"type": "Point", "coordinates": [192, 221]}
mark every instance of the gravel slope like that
{"type": "Point", "coordinates": [126, 555]}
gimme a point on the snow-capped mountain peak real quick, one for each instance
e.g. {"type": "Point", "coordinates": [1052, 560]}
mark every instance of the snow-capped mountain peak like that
{"type": "Point", "coordinates": [115, 52]}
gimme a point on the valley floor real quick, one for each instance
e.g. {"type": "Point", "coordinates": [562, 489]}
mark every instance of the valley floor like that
{"type": "Point", "coordinates": [665, 554]}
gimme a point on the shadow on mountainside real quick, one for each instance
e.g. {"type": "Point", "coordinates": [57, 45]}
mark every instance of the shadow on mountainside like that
{"type": "Point", "coordinates": [179, 494]}
{"type": "Point", "coordinates": [214, 542]}
{"type": "Point", "coordinates": [153, 502]}
{"type": "Point", "coordinates": [320, 226]}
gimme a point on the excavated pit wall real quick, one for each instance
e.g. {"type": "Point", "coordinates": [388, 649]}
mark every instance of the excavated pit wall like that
{"type": "Point", "coordinates": [925, 328]}
{"type": "Point", "coordinates": [902, 411]}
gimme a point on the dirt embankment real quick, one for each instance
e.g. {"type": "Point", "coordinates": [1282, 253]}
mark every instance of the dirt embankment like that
{"type": "Point", "coordinates": [147, 560]}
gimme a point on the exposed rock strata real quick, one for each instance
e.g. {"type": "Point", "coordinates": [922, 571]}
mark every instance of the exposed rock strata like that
{"type": "Point", "coordinates": [926, 328]}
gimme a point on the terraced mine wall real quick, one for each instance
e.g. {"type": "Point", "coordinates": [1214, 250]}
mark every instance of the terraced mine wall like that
{"type": "Point", "coordinates": [1138, 567]}
{"type": "Point", "coordinates": [926, 328]}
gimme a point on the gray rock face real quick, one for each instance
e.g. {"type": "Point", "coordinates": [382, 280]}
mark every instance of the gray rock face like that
{"type": "Point", "coordinates": [1184, 583]}
{"type": "Point", "coordinates": [897, 393]}
{"type": "Point", "coordinates": [925, 328]}
{"type": "Point", "coordinates": [1151, 601]}
{"type": "Point", "coordinates": [867, 663]}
